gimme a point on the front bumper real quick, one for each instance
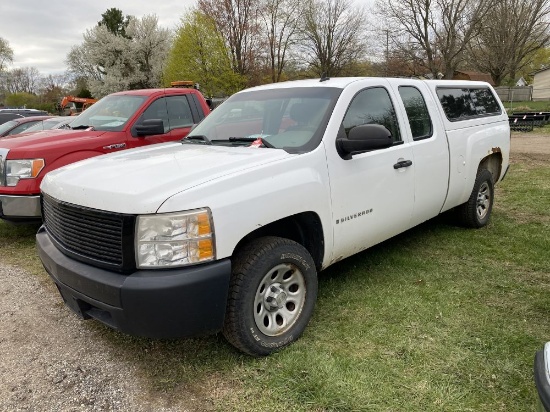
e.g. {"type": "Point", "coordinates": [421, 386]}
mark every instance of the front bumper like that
{"type": "Point", "coordinates": [168, 303]}
{"type": "Point", "coordinates": [542, 377]}
{"type": "Point", "coordinates": [20, 208]}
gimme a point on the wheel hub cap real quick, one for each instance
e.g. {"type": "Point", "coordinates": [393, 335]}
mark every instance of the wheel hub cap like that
{"type": "Point", "coordinates": [279, 299]}
{"type": "Point", "coordinates": [275, 298]}
{"type": "Point", "coordinates": [483, 200]}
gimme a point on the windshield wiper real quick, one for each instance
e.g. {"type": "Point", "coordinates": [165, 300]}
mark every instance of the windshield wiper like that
{"type": "Point", "coordinates": [82, 127]}
{"type": "Point", "coordinates": [252, 139]}
{"type": "Point", "coordinates": [200, 139]}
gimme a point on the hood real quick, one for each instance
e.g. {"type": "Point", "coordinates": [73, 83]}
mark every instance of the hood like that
{"type": "Point", "coordinates": [138, 181]}
{"type": "Point", "coordinates": [39, 142]}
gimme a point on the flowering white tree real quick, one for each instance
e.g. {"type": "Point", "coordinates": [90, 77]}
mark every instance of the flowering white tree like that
{"type": "Point", "coordinates": [113, 62]}
{"type": "Point", "coordinates": [6, 53]}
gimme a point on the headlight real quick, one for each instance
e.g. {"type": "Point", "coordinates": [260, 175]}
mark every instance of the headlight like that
{"type": "Point", "coordinates": [22, 169]}
{"type": "Point", "coordinates": [174, 239]}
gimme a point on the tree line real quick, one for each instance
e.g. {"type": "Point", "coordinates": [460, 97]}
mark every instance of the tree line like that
{"type": "Point", "coordinates": [227, 45]}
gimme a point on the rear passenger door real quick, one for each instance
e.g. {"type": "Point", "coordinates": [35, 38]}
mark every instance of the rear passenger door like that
{"type": "Point", "coordinates": [372, 194]}
{"type": "Point", "coordinates": [430, 149]}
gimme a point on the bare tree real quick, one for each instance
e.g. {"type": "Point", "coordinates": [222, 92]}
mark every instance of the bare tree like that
{"type": "Point", "coordinates": [55, 82]}
{"type": "Point", "coordinates": [438, 31]}
{"type": "Point", "coordinates": [461, 22]}
{"type": "Point", "coordinates": [53, 87]}
{"type": "Point", "coordinates": [409, 29]}
{"type": "Point", "coordinates": [280, 19]}
{"type": "Point", "coordinates": [237, 21]}
{"type": "Point", "coordinates": [332, 36]}
{"type": "Point", "coordinates": [513, 30]}
{"type": "Point", "coordinates": [24, 80]}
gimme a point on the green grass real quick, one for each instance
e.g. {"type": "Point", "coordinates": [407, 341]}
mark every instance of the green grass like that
{"type": "Point", "coordinates": [440, 318]}
{"type": "Point", "coordinates": [17, 246]}
{"type": "Point", "coordinates": [527, 106]}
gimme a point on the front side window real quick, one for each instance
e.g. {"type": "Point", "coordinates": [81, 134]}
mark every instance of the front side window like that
{"type": "Point", "coordinates": [372, 106]}
{"type": "Point", "coordinates": [6, 127]}
{"type": "Point", "coordinates": [417, 112]}
{"type": "Point", "coordinates": [466, 103]}
{"type": "Point", "coordinates": [156, 110]}
{"type": "Point", "coordinates": [22, 127]}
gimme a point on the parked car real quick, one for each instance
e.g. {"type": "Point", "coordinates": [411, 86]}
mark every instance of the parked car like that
{"type": "Point", "coordinates": [20, 125]}
{"type": "Point", "coordinates": [9, 114]}
{"type": "Point", "coordinates": [56, 122]}
{"type": "Point", "coordinates": [119, 121]}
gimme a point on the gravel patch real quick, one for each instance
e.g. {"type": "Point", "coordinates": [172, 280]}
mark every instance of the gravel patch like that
{"type": "Point", "coordinates": [50, 362]}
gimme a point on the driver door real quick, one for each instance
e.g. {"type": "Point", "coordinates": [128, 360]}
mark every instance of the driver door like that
{"type": "Point", "coordinates": [175, 113]}
{"type": "Point", "coordinates": [372, 200]}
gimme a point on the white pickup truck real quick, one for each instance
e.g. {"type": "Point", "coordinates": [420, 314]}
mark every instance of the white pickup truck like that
{"type": "Point", "coordinates": [227, 229]}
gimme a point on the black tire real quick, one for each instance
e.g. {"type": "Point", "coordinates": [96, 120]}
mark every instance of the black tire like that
{"type": "Point", "coordinates": [272, 294]}
{"type": "Point", "coordinates": [476, 212]}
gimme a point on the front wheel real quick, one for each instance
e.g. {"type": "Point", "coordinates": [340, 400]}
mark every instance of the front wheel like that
{"type": "Point", "coordinates": [272, 294]}
{"type": "Point", "coordinates": [477, 210]}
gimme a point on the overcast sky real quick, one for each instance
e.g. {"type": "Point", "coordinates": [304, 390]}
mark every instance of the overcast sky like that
{"type": "Point", "coordinates": [42, 32]}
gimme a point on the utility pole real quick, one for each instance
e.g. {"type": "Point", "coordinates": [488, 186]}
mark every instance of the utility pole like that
{"type": "Point", "coordinates": [387, 50]}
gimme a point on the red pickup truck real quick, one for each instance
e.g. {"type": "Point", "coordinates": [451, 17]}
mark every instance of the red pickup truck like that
{"type": "Point", "coordinates": [119, 121]}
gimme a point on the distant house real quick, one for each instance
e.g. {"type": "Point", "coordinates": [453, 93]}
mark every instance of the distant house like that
{"type": "Point", "coordinates": [521, 82]}
{"type": "Point", "coordinates": [541, 84]}
{"type": "Point", "coordinates": [469, 75]}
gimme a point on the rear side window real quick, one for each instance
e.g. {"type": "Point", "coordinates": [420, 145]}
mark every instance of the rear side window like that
{"type": "Point", "coordinates": [466, 103]}
{"type": "Point", "coordinates": [372, 106]}
{"type": "Point", "coordinates": [417, 112]}
{"type": "Point", "coordinates": [196, 107]}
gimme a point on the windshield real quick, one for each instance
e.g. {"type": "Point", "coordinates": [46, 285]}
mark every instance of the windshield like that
{"type": "Point", "coordinates": [110, 113]}
{"type": "Point", "coordinates": [48, 124]}
{"type": "Point", "coordinates": [292, 119]}
{"type": "Point", "coordinates": [7, 126]}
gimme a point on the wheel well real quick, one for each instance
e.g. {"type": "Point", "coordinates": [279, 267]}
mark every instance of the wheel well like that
{"type": "Point", "coordinates": [303, 228]}
{"type": "Point", "coordinates": [493, 163]}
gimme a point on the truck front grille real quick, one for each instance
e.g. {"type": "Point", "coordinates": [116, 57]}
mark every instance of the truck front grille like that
{"type": "Point", "coordinates": [97, 237]}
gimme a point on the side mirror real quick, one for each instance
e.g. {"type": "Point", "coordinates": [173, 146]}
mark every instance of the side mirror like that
{"type": "Point", "coordinates": [364, 138]}
{"type": "Point", "coordinates": [149, 127]}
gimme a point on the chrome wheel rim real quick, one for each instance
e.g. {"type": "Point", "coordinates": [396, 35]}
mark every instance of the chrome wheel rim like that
{"type": "Point", "coordinates": [483, 200]}
{"type": "Point", "coordinates": [279, 299]}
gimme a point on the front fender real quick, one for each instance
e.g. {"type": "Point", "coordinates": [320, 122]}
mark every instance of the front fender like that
{"type": "Point", "coordinates": [246, 201]}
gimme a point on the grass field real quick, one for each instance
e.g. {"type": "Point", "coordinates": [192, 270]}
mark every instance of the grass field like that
{"type": "Point", "coordinates": [527, 106]}
{"type": "Point", "coordinates": [440, 318]}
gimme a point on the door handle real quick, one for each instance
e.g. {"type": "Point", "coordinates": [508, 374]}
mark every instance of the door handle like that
{"type": "Point", "coordinates": [403, 163]}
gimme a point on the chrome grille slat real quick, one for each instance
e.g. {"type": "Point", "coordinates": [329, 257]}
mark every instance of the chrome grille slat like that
{"type": "Point", "coordinates": [3, 157]}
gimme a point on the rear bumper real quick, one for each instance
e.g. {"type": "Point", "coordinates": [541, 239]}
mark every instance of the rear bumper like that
{"type": "Point", "coordinates": [152, 303]}
{"type": "Point", "coordinates": [20, 208]}
{"type": "Point", "coordinates": [542, 377]}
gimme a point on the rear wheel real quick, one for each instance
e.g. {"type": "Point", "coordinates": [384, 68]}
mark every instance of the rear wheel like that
{"type": "Point", "coordinates": [476, 212]}
{"type": "Point", "coordinates": [272, 295]}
